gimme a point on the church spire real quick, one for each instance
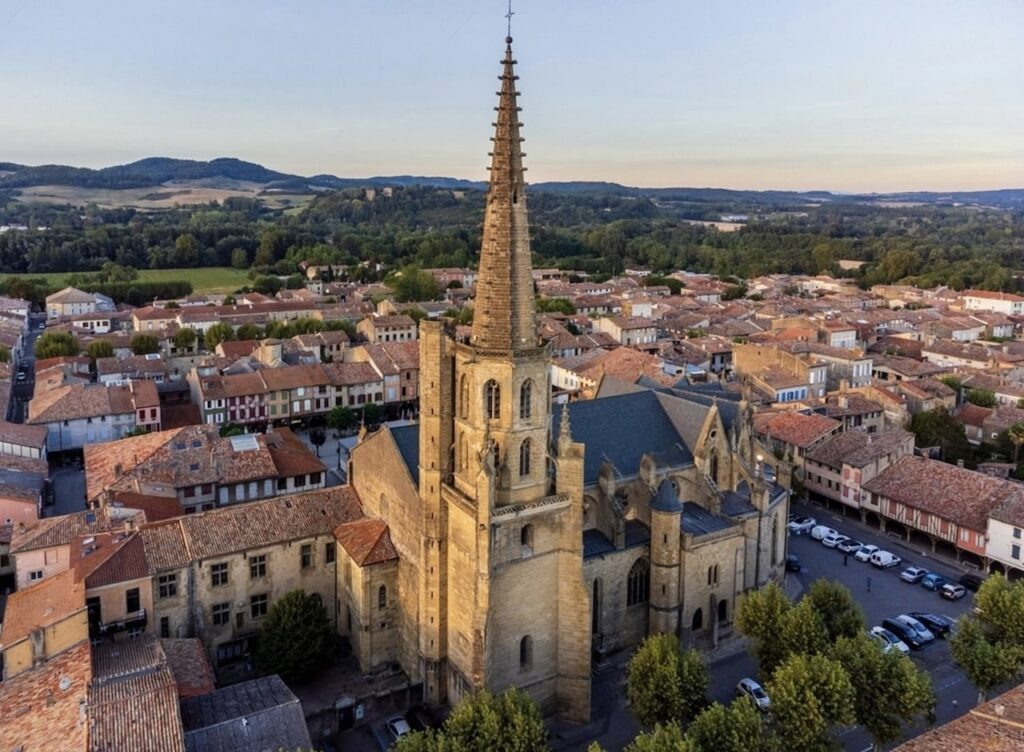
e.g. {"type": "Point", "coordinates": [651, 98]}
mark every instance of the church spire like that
{"type": "Point", "coordinates": [503, 317]}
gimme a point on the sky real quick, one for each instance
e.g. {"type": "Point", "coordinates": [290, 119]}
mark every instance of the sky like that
{"type": "Point", "coordinates": [846, 95]}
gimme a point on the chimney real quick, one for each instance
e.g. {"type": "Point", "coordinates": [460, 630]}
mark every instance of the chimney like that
{"type": "Point", "coordinates": [960, 464]}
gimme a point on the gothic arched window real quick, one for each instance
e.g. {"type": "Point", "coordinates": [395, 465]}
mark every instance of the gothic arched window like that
{"type": "Point", "coordinates": [464, 397]}
{"type": "Point", "coordinates": [492, 399]}
{"type": "Point", "coordinates": [638, 586]}
{"type": "Point", "coordinates": [526, 399]}
{"type": "Point", "coordinates": [524, 458]}
{"type": "Point", "coordinates": [526, 653]}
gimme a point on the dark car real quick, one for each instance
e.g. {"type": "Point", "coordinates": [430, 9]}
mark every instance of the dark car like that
{"type": "Point", "coordinates": [971, 581]}
{"type": "Point", "coordinates": [904, 632]}
{"type": "Point", "coordinates": [933, 581]}
{"type": "Point", "coordinates": [939, 625]}
{"type": "Point", "coordinates": [421, 718]}
{"type": "Point", "coordinates": [793, 563]}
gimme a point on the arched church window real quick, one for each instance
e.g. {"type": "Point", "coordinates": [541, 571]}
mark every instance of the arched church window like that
{"type": "Point", "coordinates": [526, 399]}
{"type": "Point", "coordinates": [524, 458]}
{"type": "Point", "coordinates": [382, 597]}
{"type": "Point", "coordinates": [638, 585]}
{"type": "Point", "coordinates": [775, 540]}
{"type": "Point", "coordinates": [526, 653]}
{"type": "Point", "coordinates": [492, 399]}
{"type": "Point", "coordinates": [464, 396]}
{"type": "Point", "coordinates": [526, 540]}
{"type": "Point", "coordinates": [698, 620]}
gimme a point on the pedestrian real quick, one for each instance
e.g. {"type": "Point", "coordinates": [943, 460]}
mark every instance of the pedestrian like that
{"type": "Point", "coordinates": [869, 584]}
{"type": "Point", "coordinates": [846, 557]}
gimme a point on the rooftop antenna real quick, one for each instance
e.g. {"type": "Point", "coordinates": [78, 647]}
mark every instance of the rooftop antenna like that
{"type": "Point", "coordinates": [509, 17]}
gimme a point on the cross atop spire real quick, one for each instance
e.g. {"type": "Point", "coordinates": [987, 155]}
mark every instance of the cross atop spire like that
{"type": "Point", "coordinates": [509, 17]}
{"type": "Point", "coordinates": [504, 306]}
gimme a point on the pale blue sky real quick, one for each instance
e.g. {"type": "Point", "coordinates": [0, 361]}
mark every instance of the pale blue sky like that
{"type": "Point", "coordinates": [839, 94]}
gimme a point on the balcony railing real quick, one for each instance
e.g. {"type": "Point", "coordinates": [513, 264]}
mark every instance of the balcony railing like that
{"type": "Point", "coordinates": [132, 620]}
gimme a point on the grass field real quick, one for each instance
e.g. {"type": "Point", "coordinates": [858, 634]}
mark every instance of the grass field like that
{"type": "Point", "coordinates": [213, 279]}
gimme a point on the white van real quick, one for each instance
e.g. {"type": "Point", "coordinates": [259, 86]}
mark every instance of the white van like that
{"type": "Point", "coordinates": [885, 560]}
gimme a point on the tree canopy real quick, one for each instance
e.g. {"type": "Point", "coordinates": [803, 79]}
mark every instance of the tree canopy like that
{"type": "Point", "coordinates": [56, 344]}
{"type": "Point", "coordinates": [666, 684]}
{"type": "Point", "coordinates": [296, 637]}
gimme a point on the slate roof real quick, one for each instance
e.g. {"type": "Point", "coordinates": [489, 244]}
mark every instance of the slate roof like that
{"type": "Point", "coordinates": [666, 499]}
{"type": "Point", "coordinates": [408, 440]}
{"type": "Point", "coordinates": [637, 534]}
{"type": "Point", "coordinates": [622, 429]}
{"type": "Point", "coordinates": [595, 543]}
{"type": "Point", "coordinates": [262, 714]}
{"type": "Point", "coordinates": [697, 520]}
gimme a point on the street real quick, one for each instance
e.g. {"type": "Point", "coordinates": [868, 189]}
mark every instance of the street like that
{"type": "Point", "coordinates": [21, 391]}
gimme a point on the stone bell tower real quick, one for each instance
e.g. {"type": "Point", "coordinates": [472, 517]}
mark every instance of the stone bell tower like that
{"type": "Point", "coordinates": [502, 587]}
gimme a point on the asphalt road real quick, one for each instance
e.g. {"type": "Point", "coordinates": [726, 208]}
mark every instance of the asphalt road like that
{"type": "Point", "coordinates": [22, 391]}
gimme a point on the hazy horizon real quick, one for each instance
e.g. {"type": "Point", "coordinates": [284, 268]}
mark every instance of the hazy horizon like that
{"type": "Point", "coordinates": [853, 97]}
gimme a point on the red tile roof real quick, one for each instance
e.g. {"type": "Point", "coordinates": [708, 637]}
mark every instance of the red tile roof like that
{"type": "Point", "coordinates": [367, 541]}
{"type": "Point", "coordinates": [795, 428]}
{"type": "Point", "coordinates": [964, 497]}
{"type": "Point", "coordinates": [996, 726]}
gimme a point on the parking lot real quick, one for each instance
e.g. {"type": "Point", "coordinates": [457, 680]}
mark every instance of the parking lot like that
{"type": "Point", "coordinates": [881, 594]}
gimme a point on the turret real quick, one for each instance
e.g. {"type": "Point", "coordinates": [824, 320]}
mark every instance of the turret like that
{"type": "Point", "coordinates": [666, 515]}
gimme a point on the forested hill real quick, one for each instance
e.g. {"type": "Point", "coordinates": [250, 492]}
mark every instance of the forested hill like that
{"type": "Point", "coordinates": [157, 171]}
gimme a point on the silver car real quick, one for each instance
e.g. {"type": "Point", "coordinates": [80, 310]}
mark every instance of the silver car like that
{"type": "Point", "coordinates": [755, 692]}
{"type": "Point", "coordinates": [923, 633]}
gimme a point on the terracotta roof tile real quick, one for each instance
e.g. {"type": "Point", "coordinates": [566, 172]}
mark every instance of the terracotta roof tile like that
{"type": "Point", "coordinates": [41, 604]}
{"type": "Point", "coordinates": [41, 709]}
{"type": "Point", "coordinates": [962, 496]}
{"type": "Point", "coordinates": [367, 541]}
{"type": "Point", "coordinates": [795, 428]}
{"type": "Point", "coordinates": [63, 530]}
{"type": "Point", "coordinates": [138, 712]}
{"type": "Point", "coordinates": [165, 544]}
{"type": "Point", "coordinates": [263, 523]}
{"type": "Point", "coordinates": [996, 726]}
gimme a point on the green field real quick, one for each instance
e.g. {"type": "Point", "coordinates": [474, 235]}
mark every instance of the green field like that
{"type": "Point", "coordinates": [213, 279]}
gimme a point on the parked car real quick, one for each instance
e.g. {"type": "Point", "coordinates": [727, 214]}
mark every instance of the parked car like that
{"type": "Point", "coordinates": [801, 525]}
{"type": "Point", "coordinates": [793, 563]}
{"type": "Point", "coordinates": [933, 581]}
{"type": "Point", "coordinates": [913, 575]}
{"type": "Point", "coordinates": [885, 560]}
{"type": "Point", "coordinates": [420, 718]}
{"type": "Point", "coordinates": [850, 546]}
{"type": "Point", "coordinates": [971, 581]}
{"type": "Point", "coordinates": [864, 553]}
{"type": "Point", "coordinates": [818, 532]}
{"type": "Point", "coordinates": [952, 592]}
{"type": "Point", "coordinates": [889, 641]}
{"type": "Point", "coordinates": [831, 541]}
{"type": "Point", "coordinates": [21, 376]}
{"type": "Point", "coordinates": [904, 632]}
{"type": "Point", "coordinates": [939, 625]}
{"type": "Point", "coordinates": [755, 692]}
{"type": "Point", "coordinates": [923, 633]}
{"type": "Point", "coordinates": [397, 727]}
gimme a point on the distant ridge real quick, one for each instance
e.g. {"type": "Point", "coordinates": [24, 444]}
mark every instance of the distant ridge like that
{"type": "Point", "coordinates": [156, 171]}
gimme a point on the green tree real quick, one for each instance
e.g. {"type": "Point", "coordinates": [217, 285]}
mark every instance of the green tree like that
{"type": "Point", "coordinates": [761, 617]}
{"type": "Point", "coordinates": [666, 684]}
{"type": "Point", "coordinates": [186, 250]}
{"type": "Point", "coordinates": [1015, 434]}
{"type": "Point", "coordinates": [740, 727]}
{"type": "Point", "coordinates": [556, 305]}
{"type": "Point", "coordinates": [56, 344]}
{"type": "Point", "coordinates": [137, 431]}
{"type": "Point", "coordinates": [231, 429]}
{"type": "Point", "coordinates": [219, 332]}
{"type": "Point", "coordinates": [342, 418]}
{"type": "Point", "coordinates": [296, 638]}
{"type": "Point", "coordinates": [144, 344]}
{"type": "Point", "coordinates": [412, 284]}
{"type": "Point", "coordinates": [5, 354]}
{"type": "Point", "coordinates": [249, 331]}
{"type": "Point", "coordinates": [810, 694]}
{"type": "Point", "coordinates": [839, 612]}
{"type": "Point", "coordinates": [509, 722]}
{"type": "Point", "coordinates": [240, 258]}
{"type": "Point", "coordinates": [888, 688]}
{"type": "Point", "coordinates": [981, 397]}
{"type": "Point", "coordinates": [989, 643]}
{"type": "Point", "coordinates": [185, 338]}
{"type": "Point", "coordinates": [937, 428]}
{"type": "Point", "coordinates": [662, 738]}
{"type": "Point", "coordinates": [803, 630]}
{"type": "Point", "coordinates": [100, 349]}
{"type": "Point", "coordinates": [372, 413]}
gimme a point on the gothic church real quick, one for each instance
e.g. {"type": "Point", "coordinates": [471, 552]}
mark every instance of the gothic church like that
{"type": "Point", "coordinates": [515, 547]}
